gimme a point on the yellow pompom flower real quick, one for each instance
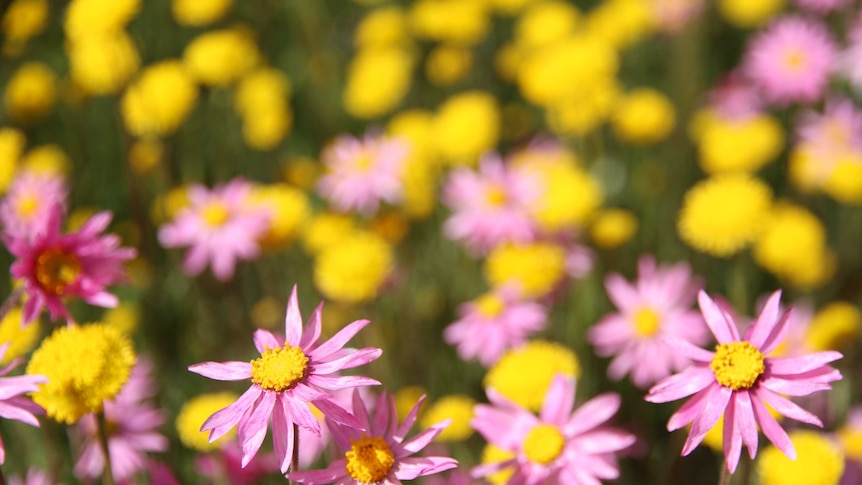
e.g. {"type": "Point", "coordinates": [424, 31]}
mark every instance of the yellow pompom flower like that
{"type": "Point", "coordinates": [20, 339]}
{"type": "Point", "coordinates": [584, 111]}
{"type": "Point", "coordinates": [459, 409]}
{"type": "Point", "coordinates": [288, 208]}
{"type": "Point", "coordinates": [612, 228]}
{"type": "Point", "coordinates": [844, 183]}
{"type": "Point", "coordinates": [420, 170]}
{"type": "Point", "coordinates": [819, 461]}
{"type": "Point", "coordinates": [377, 80]}
{"type": "Point", "coordinates": [544, 23]}
{"type": "Point", "coordinates": [265, 129]}
{"type": "Point", "coordinates": [192, 416]}
{"type": "Point", "coordinates": [467, 125]}
{"type": "Point", "coordinates": [48, 159]}
{"type": "Point", "coordinates": [523, 375]}
{"type": "Point", "coordinates": [198, 13]}
{"type": "Point", "coordinates": [261, 89]}
{"type": "Point", "coordinates": [12, 144]}
{"type": "Point", "coordinates": [102, 64]}
{"type": "Point", "coordinates": [724, 214]}
{"type": "Point", "coordinates": [382, 27]}
{"type": "Point", "coordinates": [30, 92]}
{"type": "Point", "coordinates": [644, 116]}
{"type": "Point", "coordinates": [85, 365]}
{"type": "Point", "coordinates": [536, 268]}
{"type": "Point", "coordinates": [464, 22]}
{"type": "Point", "coordinates": [492, 454]}
{"type": "Point", "coordinates": [747, 14]}
{"type": "Point", "coordinates": [835, 327]}
{"type": "Point", "coordinates": [86, 18]}
{"type": "Point", "coordinates": [352, 270]}
{"type": "Point", "coordinates": [738, 145]}
{"type": "Point", "coordinates": [327, 229]}
{"type": "Point", "coordinates": [416, 126]}
{"type": "Point", "coordinates": [219, 57]}
{"type": "Point", "coordinates": [621, 23]}
{"type": "Point", "coordinates": [446, 64]}
{"type": "Point", "coordinates": [24, 19]}
{"type": "Point", "coordinates": [569, 195]}
{"type": "Point", "coordinates": [160, 100]}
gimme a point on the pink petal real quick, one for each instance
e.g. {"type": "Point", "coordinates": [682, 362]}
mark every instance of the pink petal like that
{"type": "Point", "coordinates": [252, 430]}
{"type": "Point", "coordinates": [312, 330]}
{"type": "Point", "coordinates": [410, 468]}
{"type": "Point", "coordinates": [333, 472]}
{"type": "Point", "coordinates": [18, 414]}
{"type": "Point", "coordinates": [282, 435]}
{"type": "Point", "coordinates": [335, 382]}
{"type": "Point", "coordinates": [293, 321]}
{"type": "Point", "coordinates": [354, 359]}
{"type": "Point", "coordinates": [688, 412]}
{"type": "Point", "coordinates": [421, 440]}
{"type": "Point", "coordinates": [223, 371]}
{"type": "Point", "coordinates": [732, 438]}
{"type": "Point", "coordinates": [265, 340]}
{"type": "Point", "coordinates": [745, 422]}
{"type": "Point", "coordinates": [677, 386]}
{"type": "Point", "coordinates": [788, 366]}
{"type": "Point", "coordinates": [688, 350]}
{"type": "Point", "coordinates": [299, 413]}
{"type": "Point", "coordinates": [770, 427]}
{"type": "Point", "coordinates": [714, 407]}
{"type": "Point", "coordinates": [337, 414]}
{"type": "Point", "coordinates": [559, 400]}
{"type": "Point", "coordinates": [724, 330]}
{"type": "Point", "coordinates": [592, 413]}
{"type": "Point", "coordinates": [765, 326]}
{"type": "Point", "coordinates": [787, 407]}
{"type": "Point", "coordinates": [409, 420]}
{"type": "Point", "coordinates": [791, 387]}
{"type": "Point", "coordinates": [224, 419]}
{"type": "Point", "coordinates": [337, 341]}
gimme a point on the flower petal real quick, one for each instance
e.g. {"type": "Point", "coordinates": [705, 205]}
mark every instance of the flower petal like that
{"type": "Point", "coordinates": [765, 326]}
{"type": "Point", "coordinates": [787, 407]}
{"type": "Point", "coordinates": [688, 350]}
{"type": "Point", "coordinates": [410, 468]}
{"type": "Point", "coordinates": [337, 341]}
{"type": "Point", "coordinates": [336, 382]}
{"type": "Point", "coordinates": [695, 378]}
{"type": "Point", "coordinates": [333, 472]}
{"type": "Point", "coordinates": [223, 371]}
{"type": "Point", "coordinates": [354, 359]}
{"type": "Point", "coordinates": [723, 329]}
{"type": "Point", "coordinates": [226, 418]}
{"type": "Point", "coordinates": [402, 431]}
{"type": "Point", "coordinates": [265, 340]}
{"type": "Point", "coordinates": [252, 430]}
{"type": "Point", "coordinates": [770, 427]}
{"type": "Point", "coordinates": [731, 437]}
{"type": "Point", "coordinates": [783, 366]}
{"type": "Point", "coordinates": [714, 407]}
{"type": "Point", "coordinates": [337, 414]}
{"type": "Point", "coordinates": [559, 400]}
{"type": "Point", "coordinates": [293, 321]}
{"type": "Point", "coordinates": [688, 412]}
{"type": "Point", "coordinates": [421, 440]}
{"type": "Point", "coordinates": [592, 413]}
{"type": "Point", "coordinates": [282, 434]}
{"type": "Point", "coordinates": [312, 330]}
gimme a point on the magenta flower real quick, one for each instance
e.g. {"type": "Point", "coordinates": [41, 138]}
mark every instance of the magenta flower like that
{"type": "Point", "coordinates": [290, 374]}
{"type": "Point", "coordinates": [494, 323]}
{"type": "Point", "coordinates": [558, 446]}
{"type": "Point", "coordinates": [654, 308]}
{"type": "Point", "coordinates": [13, 405]}
{"type": "Point", "coordinates": [28, 204]}
{"type": "Point", "coordinates": [220, 226]}
{"type": "Point", "coordinates": [56, 266]}
{"type": "Point", "coordinates": [738, 380]}
{"type": "Point", "coordinates": [382, 454]}
{"type": "Point", "coordinates": [363, 173]}
{"type": "Point", "coordinates": [313, 445]}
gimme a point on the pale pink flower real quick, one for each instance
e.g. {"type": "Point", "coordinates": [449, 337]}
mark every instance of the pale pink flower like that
{"type": "Point", "coordinates": [13, 404]}
{"type": "Point", "coordinates": [735, 98]}
{"type": "Point", "coordinates": [27, 206]}
{"type": "Point", "coordinates": [849, 62]}
{"type": "Point", "coordinates": [34, 477]}
{"type": "Point", "coordinates": [491, 206]}
{"type": "Point", "coordinates": [290, 374]}
{"type": "Point", "coordinates": [57, 267]}
{"type": "Point", "coordinates": [386, 442]}
{"type": "Point", "coordinates": [739, 380]}
{"type": "Point", "coordinates": [494, 323]}
{"type": "Point", "coordinates": [791, 60]}
{"type": "Point", "coordinates": [360, 174]}
{"type": "Point", "coordinates": [220, 225]}
{"type": "Point", "coordinates": [671, 16]}
{"type": "Point", "coordinates": [832, 134]}
{"type": "Point", "coordinates": [558, 446]}
{"type": "Point", "coordinates": [654, 308]}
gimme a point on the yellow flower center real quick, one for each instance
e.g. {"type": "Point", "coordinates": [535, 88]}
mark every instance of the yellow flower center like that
{"type": "Point", "coordinates": [646, 322]}
{"type": "Point", "coordinates": [215, 214]}
{"type": "Point", "coordinates": [363, 162]}
{"type": "Point", "coordinates": [544, 444]}
{"type": "Point", "coordinates": [737, 365]}
{"type": "Point", "coordinates": [369, 459]}
{"type": "Point", "coordinates": [795, 61]}
{"type": "Point", "coordinates": [57, 269]}
{"type": "Point", "coordinates": [489, 305]}
{"type": "Point", "coordinates": [27, 205]}
{"type": "Point", "coordinates": [279, 369]}
{"type": "Point", "coordinates": [495, 196]}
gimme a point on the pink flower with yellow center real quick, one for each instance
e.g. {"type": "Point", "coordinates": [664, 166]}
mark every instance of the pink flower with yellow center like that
{"type": "Point", "coordinates": [27, 207]}
{"type": "Point", "coordinates": [13, 403]}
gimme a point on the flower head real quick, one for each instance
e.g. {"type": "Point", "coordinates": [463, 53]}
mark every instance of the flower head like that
{"type": "Point", "coordinates": [820, 461]}
{"type": "Point", "coordinates": [523, 375]}
{"type": "Point", "coordinates": [290, 374]}
{"type": "Point", "coordinates": [13, 405]}
{"type": "Point", "coordinates": [739, 380]}
{"type": "Point", "coordinates": [192, 416]}
{"type": "Point", "coordinates": [27, 207]}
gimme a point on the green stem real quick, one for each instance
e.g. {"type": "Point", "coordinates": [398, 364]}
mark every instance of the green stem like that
{"type": "Point", "coordinates": [102, 425]}
{"type": "Point", "coordinates": [2, 478]}
{"type": "Point", "coordinates": [724, 478]}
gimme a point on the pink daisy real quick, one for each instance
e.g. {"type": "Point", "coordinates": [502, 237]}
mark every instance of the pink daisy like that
{"type": "Point", "coordinates": [494, 323]}
{"type": "Point", "coordinates": [221, 225]}
{"type": "Point", "coordinates": [382, 454]}
{"type": "Point", "coordinates": [56, 266]}
{"type": "Point", "coordinates": [313, 445]}
{"type": "Point", "coordinates": [28, 204]}
{"type": "Point", "coordinates": [735, 98]}
{"type": "Point", "coordinates": [833, 133]}
{"type": "Point", "coordinates": [363, 173]}
{"type": "Point", "coordinates": [791, 60]}
{"type": "Point", "coordinates": [290, 374]}
{"type": "Point", "coordinates": [656, 307]}
{"type": "Point", "coordinates": [13, 405]}
{"type": "Point", "coordinates": [849, 62]}
{"type": "Point", "coordinates": [739, 380]}
{"type": "Point", "coordinates": [489, 207]}
{"type": "Point", "coordinates": [558, 446]}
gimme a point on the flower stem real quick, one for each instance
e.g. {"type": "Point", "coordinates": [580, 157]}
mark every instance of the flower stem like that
{"type": "Point", "coordinates": [2, 478]}
{"type": "Point", "coordinates": [13, 299]}
{"type": "Point", "coordinates": [107, 472]}
{"type": "Point", "coordinates": [724, 478]}
{"type": "Point", "coordinates": [294, 460]}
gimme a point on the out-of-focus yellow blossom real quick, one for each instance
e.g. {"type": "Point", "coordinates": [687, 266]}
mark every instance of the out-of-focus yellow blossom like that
{"type": "Point", "coordinates": [535, 268]}
{"type": "Point", "coordinates": [326, 229]}
{"type": "Point", "coordinates": [220, 57]}
{"type": "Point", "coordinates": [416, 126]}
{"type": "Point", "coordinates": [420, 172]}
{"type": "Point", "coordinates": [569, 194]}
{"type": "Point", "coordinates": [30, 92]}
{"type": "Point", "coordinates": [125, 317]}
{"type": "Point", "coordinates": [166, 207]}
{"type": "Point", "coordinates": [544, 23]}
{"type": "Point", "coordinates": [621, 23]}
{"type": "Point", "coordinates": [192, 416]}
{"type": "Point", "coordinates": [160, 100]}
{"type": "Point", "coordinates": [390, 225]}
{"type": "Point", "coordinates": [145, 155]}
{"type": "Point", "coordinates": [456, 21]}
{"type": "Point", "coordinates": [48, 159]}
{"type": "Point", "coordinates": [24, 19]}
{"type": "Point", "coordinates": [382, 27]}
{"type": "Point", "coordinates": [377, 80]}
{"type": "Point", "coordinates": [448, 64]}
{"type": "Point", "coordinates": [467, 125]}
{"type": "Point", "coordinates": [737, 145]}
{"type": "Point", "coordinates": [20, 339]}
{"type": "Point", "coordinates": [507, 61]}
{"type": "Point", "coordinates": [613, 228]}
{"type": "Point", "coordinates": [267, 312]}
{"type": "Point", "coordinates": [459, 409]}
{"type": "Point", "coordinates": [12, 144]}
{"type": "Point", "coordinates": [523, 375]}
{"type": "Point", "coordinates": [406, 397]}
{"type": "Point", "coordinates": [725, 213]}
{"type": "Point", "coordinates": [352, 270]}
{"type": "Point", "coordinates": [835, 327]}
{"type": "Point", "coordinates": [792, 246]}
{"type": "Point", "coordinates": [850, 438]}
{"type": "Point", "coordinates": [492, 454]}
{"type": "Point", "coordinates": [644, 116]}
{"type": "Point", "coordinates": [585, 110]}
{"type": "Point", "coordinates": [714, 438]}
{"type": "Point", "coordinates": [86, 18]}
{"type": "Point", "coordinates": [197, 13]}
{"type": "Point", "coordinates": [818, 460]}
{"type": "Point", "coordinates": [261, 89]}
{"type": "Point", "coordinates": [301, 172]}
{"type": "Point", "coordinates": [845, 182]}
{"type": "Point", "coordinates": [747, 14]}
{"type": "Point", "coordinates": [803, 170]}
{"type": "Point", "coordinates": [509, 7]}
{"type": "Point", "coordinates": [288, 209]}
{"type": "Point", "coordinates": [266, 129]}
{"type": "Point", "coordinates": [102, 64]}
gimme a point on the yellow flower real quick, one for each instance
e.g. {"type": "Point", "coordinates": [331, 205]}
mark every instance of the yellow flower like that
{"type": "Point", "coordinates": [509, 7]}
{"type": "Point", "coordinates": [621, 23]}
{"type": "Point", "coordinates": [467, 125]}
{"type": "Point", "coordinates": [523, 375]}
{"type": "Point", "coordinates": [738, 145]}
{"type": "Point", "coordinates": [463, 22]}
{"type": "Point", "coordinates": [101, 64]}
{"type": "Point", "coordinates": [192, 416]}
{"type": "Point", "coordinates": [747, 14]}
{"type": "Point", "coordinates": [818, 461]}
{"type": "Point", "coordinates": [492, 454]}
{"type": "Point", "coordinates": [145, 155]}
{"type": "Point", "coordinates": [382, 27]}
{"type": "Point", "coordinates": [724, 214]}
{"type": "Point", "coordinates": [260, 89]}
{"type": "Point", "coordinates": [536, 268]}
{"type": "Point", "coordinates": [352, 270]}
{"type": "Point", "coordinates": [377, 80]}
{"type": "Point", "coordinates": [160, 100]}
{"type": "Point", "coordinates": [24, 19]}
{"type": "Point", "coordinates": [613, 228]}
{"type": "Point", "coordinates": [125, 317]}
{"type": "Point", "coordinates": [581, 113]}
{"type": "Point", "coordinates": [390, 225]}
{"type": "Point", "coordinates": [420, 173]}
{"type": "Point", "coordinates": [544, 23]}
{"type": "Point", "coordinates": [416, 127]}
{"type": "Point", "coordinates": [288, 209]}
{"type": "Point", "coordinates": [835, 327]}
{"type": "Point", "coordinates": [845, 181]}
{"type": "Point", "coordinates": [20, 339]}
{"type": "Point", "coordinates": [459, 409]}
{"type": "Point", "coordinates": [325, 230]}
{"type": "Point", "coordinates": [197, 13]}
{"type": "Point", "coordinates": [219, 57]}
{"type": "Point", "coordinates": [166, 206]}
{"type": "Point", "coordinates": [406, 398]}
{"type": "Point", "coordinates": [48, 159]}
{"type": "Point", "coordinates": [446, 64]}
{"type": "Point", "coordinates": [301, 171]}
{"type": "Point", "coordinates": [85, 18]}
{"type": "Point", "coordinates": [644, 116]}
{"type": "Point", "coordinates": [30, 92]}
{"type": "Point", "coordinates": [85, 365]}
{"type": "Point", "coordinates": [265, 129]}
{"type": "Point", "coordinates": [12, 144]}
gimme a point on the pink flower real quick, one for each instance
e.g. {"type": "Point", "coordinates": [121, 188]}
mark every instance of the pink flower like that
{"type": "Point", "coordinates": [489, 207]}
{"type": "Point", "coordinates": [791, 60]}
{"type": "Point", "coordinates": [380, 456]}
{"type": "Point", "coordinates": [832, 134]}
{"type": "Point", "coordinates": [735, 98]}
{"type": "Point", "coordinates": [313, 445]}
{"type": "Point", "coordinates": [56, 267]}
{"type": "Point", "coordinates": [28, 204]}
{"type": "Point", "coordinates": [34, 477]}
{"type": "Point", "coordinates": [653, 309]}
{"type": "Point", "coordinates": [290, 373]}
{"type": "Point", "coordinates": [849, 62]}
{"type": "Point", "coordinates": [822, 7]}
{"type": "Point", "coordinates": [738, 381]}
{"type": "Point", "coordinates": [363, 173]}
{"type": "Point", "coordinates": [494, 323]}
{"type": "Point", "coordinates": [226, 463]}
{"type": "Point", "coordinates": [221, 225]}
{"type": "Point", "coordinates": [13, 405]}
{"type": "Point", "coordinates": [558, 446]}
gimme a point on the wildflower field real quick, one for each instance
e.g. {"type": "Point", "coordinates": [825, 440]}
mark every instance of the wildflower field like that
{"type": "Point", "coordinates": [521, 242]}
